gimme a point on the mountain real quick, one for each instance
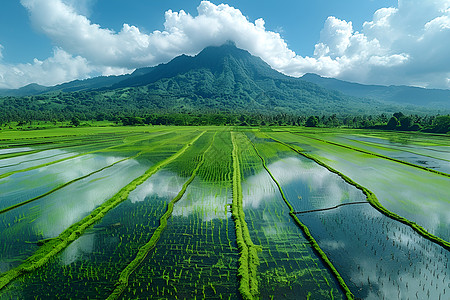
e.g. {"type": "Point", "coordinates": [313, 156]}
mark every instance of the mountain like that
{"type": "Point", "coordinates": [393, 94]}
{"type": "Point", "coordinates": [30, 89]}
{"type": "Point", "coordinates": [218, 79]}
{"type": "Point", "coordinates": [230, 78]}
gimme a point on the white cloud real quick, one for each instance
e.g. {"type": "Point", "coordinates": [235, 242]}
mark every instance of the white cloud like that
{"type": "Point", "coordinates": [402, 45]}
{"type": "Point", "coordinates": [56, 69]}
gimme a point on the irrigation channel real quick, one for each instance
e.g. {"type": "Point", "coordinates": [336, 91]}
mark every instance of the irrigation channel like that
{"type": "Point", "coordinates": [224, 213]}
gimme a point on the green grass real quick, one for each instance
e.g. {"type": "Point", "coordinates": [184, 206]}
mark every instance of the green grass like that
{"type": "Point", "coordinates": [248, 260]}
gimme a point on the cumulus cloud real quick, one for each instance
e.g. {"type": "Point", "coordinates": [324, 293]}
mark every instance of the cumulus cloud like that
{"type": "Point", "coordinates": [59, 68]}
{"type": "Point", "coordinates": [400, 45]}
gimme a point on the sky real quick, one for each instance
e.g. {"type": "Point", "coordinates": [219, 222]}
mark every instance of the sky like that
{"type": "Point", "coordinates": [404, 42]}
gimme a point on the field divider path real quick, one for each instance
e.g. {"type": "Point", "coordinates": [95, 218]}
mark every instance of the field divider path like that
{"type": "Point", "coordinates": [122, 283]}
{"type": "Point", "coordinates": [248, 259]}
{"type": "Point", "coordinates": [306, 231]}
{"type": "Point", "coordinates": [374, 154]}
{"type": "Point", "coordinates": [72, 157]}
{"type": "Point", "coordinates": [373, 200]}
{"type": "Point", "coordinates": [66, 184]}
{"type": "Point", "coordinates": [56, 245]}
{"type": "Point", "coordinates": [328, 208]}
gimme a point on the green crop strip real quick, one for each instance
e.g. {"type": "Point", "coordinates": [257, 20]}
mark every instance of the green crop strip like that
{"type": "Point", "coordinates": [248, 260]}
{"type": "Point", "coordinates": [56, 245]}
{"type": "Point", "coordinates": [22, 153]}
{"type": "Point", "coordinates": [122, 283]}
{"type": "Point", "coordinates": [66, 184]}
{"type": "Point", "coordinates": [373, 200]}
{"type": "Point", "coordinates": [305, 230]}
{"type": "Point", "coordinates": [374, 154]}
{"type": "Point", "coordinates": [71, 157]}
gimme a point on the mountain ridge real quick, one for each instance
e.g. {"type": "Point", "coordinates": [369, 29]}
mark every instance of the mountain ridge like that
{"type": "Point", "coordinates": [392, 93]}
{"type": "Point", "coordinates": [218, 79]}
{"type": "Point", "coordinates": [211, 58]}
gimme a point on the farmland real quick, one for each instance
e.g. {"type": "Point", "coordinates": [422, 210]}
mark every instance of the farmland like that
{"type": "Point", "coordinates": [164, 212]}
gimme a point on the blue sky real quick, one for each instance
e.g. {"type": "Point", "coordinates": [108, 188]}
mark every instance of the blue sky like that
{"type": "Point", "coordinates": [367, 41]}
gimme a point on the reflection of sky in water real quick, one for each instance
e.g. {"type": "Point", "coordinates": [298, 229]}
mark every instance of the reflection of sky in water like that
{"type": "Point", "coordinates": [310, 186]}
{"type": "Point", "coordinates": [164, 184]}
{"type": "Point", "coordinates": [378, 257]}
{"type": "Point", "coordinates": [441, 152]}
{"type": "Point", "coordinates": [84, 244]}
{"type": "Point", "coordinates": [23, 186]}
{"type": "Point", "coordinates": [15, 150]}
{"type": "Point", "coordinates": [31, 160]}
{"type": "Point", "coordinates": [258, 189]}
{"type": "Point", "coordinates": [70, 204]}
{"type": "Point", "coordinates": [208, 199]}
{"type": "Point", "coordinates": [305, 184]}
{"type": "Point", "coordinates": [161, 186]}
{"type": "Point", "coordinates": [417, 195]}
{"type": "Point", "coordinates": [419, 155]}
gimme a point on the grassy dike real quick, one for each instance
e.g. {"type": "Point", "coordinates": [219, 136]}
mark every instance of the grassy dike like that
{"type": "Point", "coordinates": [122, 283]}
{"type": "Point", "coordinates": [308, 235]}
{"type": "Point", "coordinates": [248, 259]}
{"type": "Point", "coordinates": [74, 156]}
{"type": "Point", "coordinates": [373, 200]}
{"type": "Point", "coordinates": [56, 245]}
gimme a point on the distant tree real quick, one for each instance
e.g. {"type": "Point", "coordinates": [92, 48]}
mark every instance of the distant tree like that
{"type": "Point", "coordinates": [441, 124]}
{"type": "Point", "coordinates": [405, 122]}
{"type": "Point", "coordinates": [312, 121]}
{"type": "Point", "coordinates": [393, 123]}
{"type": "Point", "coordinates": [398, 115]}
{"type": "Point", "coordinates": [75, 121]}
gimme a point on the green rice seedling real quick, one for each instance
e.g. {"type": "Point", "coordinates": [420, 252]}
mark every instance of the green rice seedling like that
{"type": "Point", "coordinates": [143, 251]}
{"type": "Point", "coordinates": [373, 200]}
{"type": "Point", "coordinates": [42, 256]}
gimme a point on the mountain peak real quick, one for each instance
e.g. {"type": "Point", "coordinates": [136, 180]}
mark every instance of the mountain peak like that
{"type": "Point", "coordinates": [213, 59]}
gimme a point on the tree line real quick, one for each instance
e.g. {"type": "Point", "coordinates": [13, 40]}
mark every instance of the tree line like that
{"type": "Point", "coordinates": [398, 121]}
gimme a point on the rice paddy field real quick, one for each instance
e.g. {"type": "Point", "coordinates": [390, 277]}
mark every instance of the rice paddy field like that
{"type": "Point", "coordinates": [224, 213]}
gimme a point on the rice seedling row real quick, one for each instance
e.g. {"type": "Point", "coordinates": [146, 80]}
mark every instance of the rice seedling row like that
{"type": "Point", "coordinates": [133, 141]}
{"type": "Point", "coordinates": [6, 209]}
{"type": "Point", "coordinates": [196, 256]}
{"type": "Point", "coordinates": [145, 249]}
{"type": "Point", "coordinates": [378, 257]}
{"type": "Point", "coordinates": [35, 148]}
{"type": "Point", "coordinates": [21, 187]}
{"type": "Point", "coordinates": [70, 234]}
{"type": "Point", "coordinates": [378, 155]}
{"type": "Point", "coordinates": [306, 232]}
{"type": "Point", "coordinates": [287, 259]}
{"type": "Point", "coordinates": [154, 218]}
{"type": "Point", "coordinates": [420, 203]}
{"type": "Point", "coordinates": [372, 230]}
{"type": "Point", "coordinates": [418, 156]}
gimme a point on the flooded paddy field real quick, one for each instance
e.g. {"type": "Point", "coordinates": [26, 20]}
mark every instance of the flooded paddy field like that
{"type": "Point", "coordinates": [224, 213]}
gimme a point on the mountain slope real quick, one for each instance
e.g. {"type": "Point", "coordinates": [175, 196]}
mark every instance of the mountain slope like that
{"type": "Point", "coordinates": [229, 78]}
{"type": "Point", "coordinates": [394, 94]}
{"type": "Point", "coordinates": [30, 89]}
{"type": "Point", "coordinates": [218, 79]}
